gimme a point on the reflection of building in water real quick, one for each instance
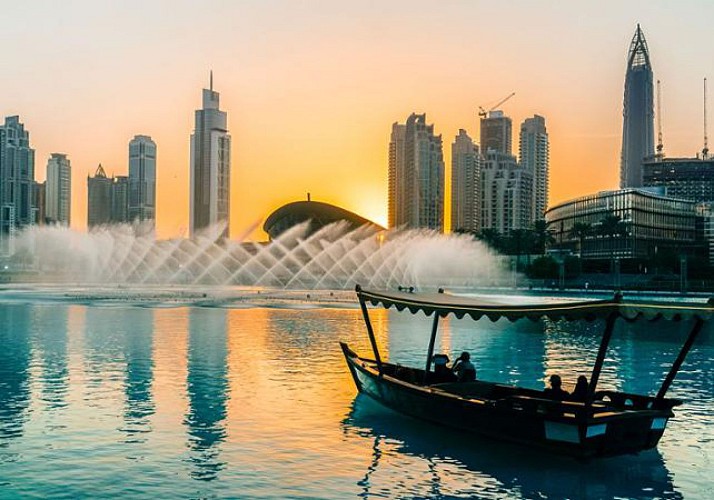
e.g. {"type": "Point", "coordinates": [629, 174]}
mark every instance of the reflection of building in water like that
{"type": "Point", "coordinates": [50, 326]}
{"type": "Point", "coordinates": [15, 357]}
{"type": "Point", "coordinates": [207, 388]}
{"type": "Point", "coordinates": [138, 352]}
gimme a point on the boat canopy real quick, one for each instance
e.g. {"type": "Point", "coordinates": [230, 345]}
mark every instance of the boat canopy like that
{"type": "Point", "coordinates": [444, 304]}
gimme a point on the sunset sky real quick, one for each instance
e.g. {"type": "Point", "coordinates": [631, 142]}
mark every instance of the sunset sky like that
{"type": "Point", "coordinates": [312, 87]}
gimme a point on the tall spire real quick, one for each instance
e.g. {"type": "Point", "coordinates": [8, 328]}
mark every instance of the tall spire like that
{"type": "Point", "coordinates": [211, 81]}
{"type": "Point", "coordinates": [639, 54]}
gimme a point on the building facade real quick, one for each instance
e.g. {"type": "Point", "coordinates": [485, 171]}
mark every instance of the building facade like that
{"type": "Point", "coordinates": [496, 133]}
{"type": "Point", "coordinates": [58, 190]}
{"type": "Point", "coordinates": [506, 193]}
{"type": "Point", "coordinates": [416, 175]}
{"type": "Point", "coordinates": [142, 179]}
{"type": "Point", "coordinates": [688, 178]}
{"type": "Point", "coordinates": [17, 177]}
{"type": "Point", "coordinates": [396, 177]}
{"type": "Point", "coordinates": [650, 223]}
{"type": "Point", "coordinates": [465, 184]}
{"type": "Point", "coordinates": [120, 200]}
{"type": "Point", "coordinates": [210, 167]}
{"type": "Point", "coordinates": [534, 154]}
{"type": "Point", "coordinates": [38, 202]}
{"type": "Point", "coordinates": [107, 199]}
{"type": "Point", "coordinates": [99, 199]}
{"type": "Point", "coordinates": [638, 113]}
{"type": "Point", "coordinates": [424, 174]}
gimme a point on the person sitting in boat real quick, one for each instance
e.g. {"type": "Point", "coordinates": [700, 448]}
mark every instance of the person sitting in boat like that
{"type": "Point", "coordinates": [556, 391]}
{"type": "Point", "coordinates": [442, 372]}
{"type": "Point", "coordinates": [463, 368]}
{"type": "Point", "coordinates": [581, 389]}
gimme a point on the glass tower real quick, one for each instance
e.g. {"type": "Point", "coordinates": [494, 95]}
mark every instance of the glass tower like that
{"type": "Point", "coordinates": [638, 113]}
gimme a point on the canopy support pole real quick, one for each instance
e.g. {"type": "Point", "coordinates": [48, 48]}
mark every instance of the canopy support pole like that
{"type": "Point", "coordinates": [432, 340]}
{"type": "Point", "coordinates": [370, 332]}
{"type": "Point", "coordinates": [604, 343]}
{"type": "Point", "coordinates": [698, 323]}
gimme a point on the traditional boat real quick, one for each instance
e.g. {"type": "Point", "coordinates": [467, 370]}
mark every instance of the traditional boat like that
{"type": "Point", "coordinates": [603, 423]}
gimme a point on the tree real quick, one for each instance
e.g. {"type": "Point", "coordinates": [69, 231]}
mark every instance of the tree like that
{"type": "Point", "coordinates": [611, 227]}
{"type": "Point", "coordinates": [492, 238]}
{"type": "Point", "coordinates": [542, 236]}
{"type": "Point", "coordinates": [518, 240]}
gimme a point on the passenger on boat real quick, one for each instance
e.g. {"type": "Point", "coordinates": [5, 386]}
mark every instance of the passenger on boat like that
{"type": "Point", "coordinates": [463, 368]}
{"type": "Point", "coordinates": [442, 372]}
{"type": "Point", "coordinates": [581, 389]}
{"type": "Point", "coordinates": [556, 391]}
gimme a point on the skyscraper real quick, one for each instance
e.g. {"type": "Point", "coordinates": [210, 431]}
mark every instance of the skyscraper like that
{"type": "Point", "coordinates": [142, 179]}
{"type": "Point", "coordinates": [210, 166]}
{"type": "Point", "coordinates": [534, 156]}
{"type": "Point", "coordinates": [465, 184]}
{"type": "Point", "coordinates": [496, 133]}
{"type": "Point", "coordinates": [17, 177]}
{"type": "Point", "coordinates": [120, 200]}
{"type": "Point", "coordinates": [638, 113]}
{"type": "Point", "coordinates": [58, 190]}
{"type": "Point", "coordinates": [99, 198]}
{"type": "Point", "coordinates": [420, 187]}
{"type": "Point", "coordinates": [506, 193]}
{"type": "Point", "coordinates": [397, 179]}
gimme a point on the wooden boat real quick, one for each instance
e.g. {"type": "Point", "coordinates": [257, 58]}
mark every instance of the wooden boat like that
{"type": "Point", "coordinates": [605, 423]}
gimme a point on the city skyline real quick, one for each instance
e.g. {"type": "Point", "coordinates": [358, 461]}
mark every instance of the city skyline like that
{"type": "Point", "coordinates": [285, 122]}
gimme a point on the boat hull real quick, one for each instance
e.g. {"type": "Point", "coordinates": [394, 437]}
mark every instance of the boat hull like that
{"type": "Point", "coordinates": [523, 421]}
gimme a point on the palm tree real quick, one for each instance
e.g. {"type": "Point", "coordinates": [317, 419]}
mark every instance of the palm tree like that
{"type": "Point", "coordinates": [518, 240]}
{"type": "Point", "coordinates": [542, 236]}
{"type": "Point", "coordinates": [492, 238]}
{"type": "Point", "coordinates": [581, 230]}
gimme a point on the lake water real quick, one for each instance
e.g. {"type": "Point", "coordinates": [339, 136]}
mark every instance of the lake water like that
{"type": "Point", "coordinates": [132, 401]}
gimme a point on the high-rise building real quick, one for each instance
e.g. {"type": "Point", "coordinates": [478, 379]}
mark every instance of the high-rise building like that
{"type": "Point", "coordinates": [496, 133]}
{"type": "Point", "coordinates": [465, 184]}
{"type": "Point", "coordinates": [210, 166]}
{"type": "Point", "coordinates": [17, 177]}
{"type": "Point", "coordinates": [38, 202]}
{"type": "Point", "coordinates": [397, 179]}
{"type": "Point", "coordinates": [416, 175]}
{"type": "Point", "coordinates": [120, 199]}
{"type": "Point", "coordinates": [58, 190]}
{"type": "Point", "coordinates": [506, 193]}
{"type": "Point", "coordinates": [534, 156]}
{"type": "Point", "coordinates": [142, 179]}
{"type": "Point", "coordinates": [686, 178]}
{"type": "Point", "coordinates": [99, 198]}
{"type": "Point", "coordinates": [423, 193]}
{"type": "Point", "coordinates": [638, 113]}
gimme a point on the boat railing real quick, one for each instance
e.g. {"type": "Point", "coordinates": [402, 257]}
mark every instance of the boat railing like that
{"type": "Point", "coordinates": [629, 401]}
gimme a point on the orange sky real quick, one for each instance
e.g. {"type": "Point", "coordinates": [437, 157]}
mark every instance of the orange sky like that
{"type": "Point", "coordinates": [311, 88]}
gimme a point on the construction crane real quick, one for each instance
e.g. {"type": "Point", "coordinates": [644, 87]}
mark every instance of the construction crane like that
{"type": "Point", "coordinates": [660, 146]}
{"type": "Point", "coordinates": [484, 113]}
{"type": "Point", "coordinates": [705, 150]}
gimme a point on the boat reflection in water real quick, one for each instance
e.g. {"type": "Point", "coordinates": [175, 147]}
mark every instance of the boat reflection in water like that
{"type": "Point", "coordinates": [207, 387]}
{"type": "Point", "coordinates": [407, 452]}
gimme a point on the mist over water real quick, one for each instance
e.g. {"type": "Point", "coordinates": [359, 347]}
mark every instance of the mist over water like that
{"type": "Point", "coordinates": [334, 257]}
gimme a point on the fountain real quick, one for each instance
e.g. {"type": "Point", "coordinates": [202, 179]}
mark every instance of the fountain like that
{"type": "Point", "coordinates": [334, 257]}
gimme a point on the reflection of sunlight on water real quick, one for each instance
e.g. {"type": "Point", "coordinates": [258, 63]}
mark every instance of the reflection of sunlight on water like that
{"type": "Point", "coordinates": [212, 401]}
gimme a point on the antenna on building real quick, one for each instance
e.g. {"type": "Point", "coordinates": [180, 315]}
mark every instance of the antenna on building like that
{"type": "Point", "coordinates": [660, 146]}
{"type": "Point", "coordinates": [705, 151]}
{"type": "Point", "coordinates": [211, 81]}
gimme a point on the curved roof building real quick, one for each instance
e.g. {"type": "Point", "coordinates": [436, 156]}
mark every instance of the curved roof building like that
{"type": "Point", "coordinates": [319, 214]}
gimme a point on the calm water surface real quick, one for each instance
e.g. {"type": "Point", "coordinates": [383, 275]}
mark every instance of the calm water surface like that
{"type": "Point", "coordinates": [192, 402]}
